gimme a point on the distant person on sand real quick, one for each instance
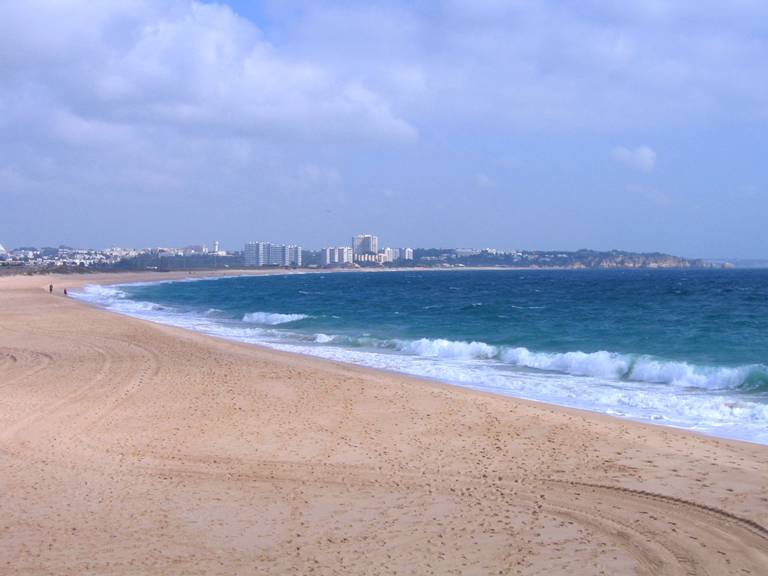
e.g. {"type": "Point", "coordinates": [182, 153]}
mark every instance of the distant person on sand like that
{"type": "Point", "coordinates": [65, 291]}
{"type": "Point", "coordinates": [50, 289]}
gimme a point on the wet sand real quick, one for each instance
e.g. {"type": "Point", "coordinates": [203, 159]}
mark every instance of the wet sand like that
{"type": "Point", "coordinates": [133, 448]}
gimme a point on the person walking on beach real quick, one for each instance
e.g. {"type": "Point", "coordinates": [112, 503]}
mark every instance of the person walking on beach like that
{"type": "Point", "coordinates": [65, 291]}
{"type": "Point", "coordinates": [50, 289]}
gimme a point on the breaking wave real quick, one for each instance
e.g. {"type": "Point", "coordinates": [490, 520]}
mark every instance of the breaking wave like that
{"type": "Point", "coordinates": [601, 364]}
{"type": "Point", "coordinates": [272, 318]}
{"type": "Point", "coordinates": [115, 299]}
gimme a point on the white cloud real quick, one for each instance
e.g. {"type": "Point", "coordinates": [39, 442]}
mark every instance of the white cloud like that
{"type": "Point", "coordinates": [183, 65]}
{"type": "Point", "coordinates": [548, 65]}
{"type": "Point", "coordinates": [160, 107]}
{"type": "Point", "coordinates": [642, 158]}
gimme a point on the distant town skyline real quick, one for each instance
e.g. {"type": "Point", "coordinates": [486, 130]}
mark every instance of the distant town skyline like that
{"type": "Point", "coordinates": [237, 246]}
{"type": "Point", "coordinates": [364, 253]}
{"type": "Point", "coordinates": [639, 126]}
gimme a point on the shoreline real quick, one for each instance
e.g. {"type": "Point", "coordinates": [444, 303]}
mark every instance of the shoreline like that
{"type": "Point", "coordinates": [404, 372]}
{"type": "Point", "coordinates": [217, 456]}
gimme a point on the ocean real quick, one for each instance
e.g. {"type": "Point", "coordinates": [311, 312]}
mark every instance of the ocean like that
{"type": "Point", "coordinates": [681, 348]}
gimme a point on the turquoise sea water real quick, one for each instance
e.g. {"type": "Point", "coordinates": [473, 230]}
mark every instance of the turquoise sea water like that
{"type": "Point", "coordinates": [680, 348]}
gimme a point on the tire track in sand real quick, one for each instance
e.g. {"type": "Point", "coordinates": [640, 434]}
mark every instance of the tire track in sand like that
{"type": "Point", "coordinates": [742, 543]}
{"type": "Point", "coordinates": [20, 363]}
{"type": "Point", "coordinates": [757, 529]}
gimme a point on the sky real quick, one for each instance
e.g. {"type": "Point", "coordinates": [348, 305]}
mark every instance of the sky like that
{"type": "Point", "coordinates": [520, 124]}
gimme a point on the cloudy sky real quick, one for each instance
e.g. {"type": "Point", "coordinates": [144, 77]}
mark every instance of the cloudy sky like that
{"type": "Point", "coordinates": [538, 124]}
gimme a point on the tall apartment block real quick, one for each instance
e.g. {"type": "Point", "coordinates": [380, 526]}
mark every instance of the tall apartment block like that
{"type": "Point", "coordinates": [365, 244]}
{"type": "Point", "coordinates": [267, 254]}
{"type": "Point", "coordinates": [337, 256]}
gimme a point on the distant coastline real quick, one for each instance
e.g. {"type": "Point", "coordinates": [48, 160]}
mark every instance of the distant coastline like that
{"type": "Point", "coordinates": [425, 259]}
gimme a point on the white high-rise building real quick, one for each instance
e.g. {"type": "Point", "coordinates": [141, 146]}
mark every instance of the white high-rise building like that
{"type": "Point", "coordinates": [344, 255]}
{"type": "Point", "coordinates": [284, 255]}
{"type": "Point", "coordinates": [365, 244]}
{"type": "Point", "coordinates": [338, 256]}
{"type": "Point", "coordinates": [267, 254]}
{"type": "Point", "coordinates": [254, 254]}
{"type": "Point", "coordinates": [396, 254]}
{"type": "Point", "coordinates": [327, 256]}
{"type": "Point", "coordinates": [294, 255]}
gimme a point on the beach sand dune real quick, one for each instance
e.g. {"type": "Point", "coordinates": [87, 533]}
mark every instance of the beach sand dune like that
{"type": "Point", "coordinates": [133, 448]}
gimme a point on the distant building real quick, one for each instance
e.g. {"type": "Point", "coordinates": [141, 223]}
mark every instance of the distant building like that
{"type": "Point", "coordinates": [396, 254]}
{"type": "Point", "coordinates": [254, 254]}
{"type": "Point", "coordinates": [368, 258]}
{"type": "Point", "coordinates": [195, 249]}
{"type": "Point", "coordinates": [217, 251]}
{"type": "Point", "coordinates": [294, 256]}
{"type": "Point", "coordinates": [338, 256]}
{"type": "Point", "coordinates": [283, 255]}
{"type": "Point", "coordinates": [363, 244]}
{"type": "Point", "coordinates": [267, 254]}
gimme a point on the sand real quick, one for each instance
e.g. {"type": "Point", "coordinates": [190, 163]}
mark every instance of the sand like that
{"type": "Point", "coordinates": [133, 448]}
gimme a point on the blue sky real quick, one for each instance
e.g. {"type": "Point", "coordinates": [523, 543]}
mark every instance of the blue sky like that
{"type": "Point", "coordinates": [513, 124]}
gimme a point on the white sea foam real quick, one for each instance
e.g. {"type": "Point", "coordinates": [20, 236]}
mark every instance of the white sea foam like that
{"type": "Point", "coordinates": [615, 366]}
{"type": "Point", "coordinates": [272, 318]}
{"type": "Point", "coordinates": [601, 364]}
{"type": "Point", "coordinates": [97, 292]}
{"type": "Point", "coordinates": [115, 299]}
{"type": "Point", "coordinates": [447, 348]}
{"type": "Point", "coordinates": [684, 374]}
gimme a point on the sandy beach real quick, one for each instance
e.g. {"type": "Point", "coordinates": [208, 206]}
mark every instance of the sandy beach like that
{"type": "Point", "coordinates": [133, 448]}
